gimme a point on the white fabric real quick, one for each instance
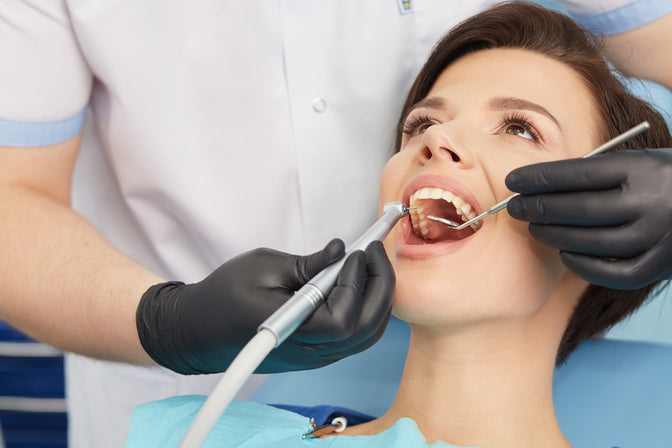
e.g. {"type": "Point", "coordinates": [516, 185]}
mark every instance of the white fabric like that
{"type": "Point", "coordinates": [43, 75]}
{"type": "Point", "coordinates": [207, 143]}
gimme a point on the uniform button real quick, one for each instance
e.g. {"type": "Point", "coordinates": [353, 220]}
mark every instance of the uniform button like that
{"type": "Point", "coordinates": [319, 105]}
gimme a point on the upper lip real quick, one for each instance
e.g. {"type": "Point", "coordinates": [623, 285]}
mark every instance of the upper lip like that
{"type": "Point", "coordinates": [445, 183]}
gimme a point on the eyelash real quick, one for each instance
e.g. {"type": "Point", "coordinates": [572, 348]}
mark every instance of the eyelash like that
{"type": "Point", "coordinates": [412, 124]}
{"type": "Point", "coordinates": [524, 122]}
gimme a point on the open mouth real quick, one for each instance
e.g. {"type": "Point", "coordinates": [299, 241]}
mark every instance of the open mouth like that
{"type": "Point", "coordinates": [433, 201]}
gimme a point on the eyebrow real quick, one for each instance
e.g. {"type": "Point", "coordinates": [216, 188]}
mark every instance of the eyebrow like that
{"type": "Point", "coordinates": [433, 102]}
{"type": "Point", "coordinates": [500, 103]}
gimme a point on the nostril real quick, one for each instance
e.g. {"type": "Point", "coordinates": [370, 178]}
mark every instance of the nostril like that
{"type": "Point", "coordinates": [455, 157]}
{"type": "Point", "coordinates": [426, 153]}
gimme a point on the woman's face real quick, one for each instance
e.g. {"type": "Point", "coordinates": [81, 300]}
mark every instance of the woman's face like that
{"type": "Point", "coordinates": [488, 113]}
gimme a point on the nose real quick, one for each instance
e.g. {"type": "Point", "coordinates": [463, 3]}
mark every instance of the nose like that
{"type": "Point", "coordinates": [442, 143]}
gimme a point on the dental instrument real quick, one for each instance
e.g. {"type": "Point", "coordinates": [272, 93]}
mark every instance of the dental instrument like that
{"type": "Point", "coordinates": [278, 327]}
{"type": "Point", "coordinates": [501, 205]}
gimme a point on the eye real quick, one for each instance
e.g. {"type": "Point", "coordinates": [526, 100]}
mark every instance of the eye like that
{"type": "Point", "coordinates": [520, 126]}
{"type": "Point", "coordinates": [417, 125]}
{"type": "Point", "coordinates": [515, 129]}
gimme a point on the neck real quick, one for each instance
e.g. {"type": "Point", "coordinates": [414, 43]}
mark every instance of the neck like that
{"type": "Point", "coordinates": [488, 386]}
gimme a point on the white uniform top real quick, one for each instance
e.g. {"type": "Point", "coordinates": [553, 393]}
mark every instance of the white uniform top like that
{"type": "Point", "coordinates": [219, 127]}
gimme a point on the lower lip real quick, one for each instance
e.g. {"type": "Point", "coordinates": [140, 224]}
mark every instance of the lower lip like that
{"type": "Point", "coordinates": [420, 251]}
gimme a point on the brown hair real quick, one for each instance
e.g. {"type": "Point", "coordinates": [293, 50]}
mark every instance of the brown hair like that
{"type": "Point", "coordinates": [533, 28]}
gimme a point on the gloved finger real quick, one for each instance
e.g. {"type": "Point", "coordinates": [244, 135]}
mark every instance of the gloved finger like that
{"type": "Point", "coordinates": [378, 295]}
{"type": "Point", "coordinates": [603, 208]}
{"type": "Point", "coordinates": [614, 242]}
{"type": "Point", "coordinates": [336, 318]}
{"type": "Point", "coordinates": [309, 266]}
{"type": "Point", "coordinates": [595, 173]}
{"type": "Point", "coordinates": [355, 334]}
{"type": "Point", "coordinates": [632, 273]}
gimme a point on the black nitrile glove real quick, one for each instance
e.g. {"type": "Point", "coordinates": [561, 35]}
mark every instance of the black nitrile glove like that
{"type": "Point", "coordinates": [201, 327]}
{"type": "Point", "coordinates": [610, 215]}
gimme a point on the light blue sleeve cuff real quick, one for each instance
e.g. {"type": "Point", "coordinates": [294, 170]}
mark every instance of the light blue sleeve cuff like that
{"type": "Point", "coordinates": [27, 134]}
{"type": "Point", "coordinates": [625, 18]}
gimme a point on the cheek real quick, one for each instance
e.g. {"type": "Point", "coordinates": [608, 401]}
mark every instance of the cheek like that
{"type": "Point", "coordinates": [529, 271]}
{"type": "Point", "coordinates": [393, 177]}
{"type": "Point", "coordinates": [511, 276]}
{"type": "Point", "coordinates": [503, 157]}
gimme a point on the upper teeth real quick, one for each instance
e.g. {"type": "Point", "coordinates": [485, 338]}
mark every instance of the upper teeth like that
{"type": "Point", "coordinates": [419, 219]}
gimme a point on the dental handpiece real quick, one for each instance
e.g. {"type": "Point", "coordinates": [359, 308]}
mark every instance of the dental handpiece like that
{"type": "Point", "coordinates": [278, 327]}
{"type": "Point", "coordinates": [286, 319]}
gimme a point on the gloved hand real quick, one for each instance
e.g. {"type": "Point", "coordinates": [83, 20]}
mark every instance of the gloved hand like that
{"type": "Point", "coordinates": [610, 215]}
{"type": "Point", "coordinates": [201, 327]}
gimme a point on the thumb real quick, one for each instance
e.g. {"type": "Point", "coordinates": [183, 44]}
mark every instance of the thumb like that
{"type": "Point", "coordinates": [310, 265]}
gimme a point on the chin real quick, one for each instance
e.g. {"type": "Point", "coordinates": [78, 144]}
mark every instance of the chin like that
{"type": "Point", "coordinates": [451, 301]}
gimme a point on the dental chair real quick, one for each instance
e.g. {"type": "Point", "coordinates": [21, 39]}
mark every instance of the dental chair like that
{"type": "Point", "coordinates": [610, 393]}
{"type": "Point", "coordinates": [32, 393]}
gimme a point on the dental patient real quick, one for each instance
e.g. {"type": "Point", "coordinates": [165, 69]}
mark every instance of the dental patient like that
{"type": "Point", "coordinates": [491, 310]}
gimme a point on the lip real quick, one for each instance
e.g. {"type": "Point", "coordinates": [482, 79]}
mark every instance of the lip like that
{"type": "Point", "coordinates": [405, 235]}
{"type": "Point", "coordinates": [445, 183]}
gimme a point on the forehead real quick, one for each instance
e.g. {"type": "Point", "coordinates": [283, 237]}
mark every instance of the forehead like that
{"type": "Point", "coordinates": [522, 74]}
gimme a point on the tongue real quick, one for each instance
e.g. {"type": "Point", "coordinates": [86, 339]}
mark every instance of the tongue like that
{"type": "Point", "coordinates": [439, 231]}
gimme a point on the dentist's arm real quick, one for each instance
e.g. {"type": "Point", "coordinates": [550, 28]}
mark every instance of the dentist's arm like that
{"type": "Point", "coordinates": [62, 283]}
{"type": "Point", "coordinates": [644, 52]}
{"type": "Point", "coordinates": [200, 328]}
{"type": "Point", "coordinates": [640, 52]}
